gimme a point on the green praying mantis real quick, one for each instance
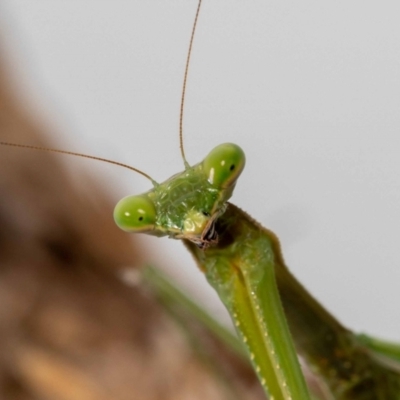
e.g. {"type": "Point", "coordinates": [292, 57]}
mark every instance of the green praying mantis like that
{"type": "Point", "coordinates": [353, 367]}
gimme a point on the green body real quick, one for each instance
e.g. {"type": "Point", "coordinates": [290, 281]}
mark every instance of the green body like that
{"type": "Point", "coordinates": [350, 369]}
{"type": "Point", "coordinates": [241, 268]}
{"type": "Point", "coordinates": [187, 206]}
{"type": "Point", "coordinates": [243, 262]}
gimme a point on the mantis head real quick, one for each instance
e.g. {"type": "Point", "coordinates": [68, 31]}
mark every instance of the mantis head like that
{"type": "Point", "coordinates": [187, 205]}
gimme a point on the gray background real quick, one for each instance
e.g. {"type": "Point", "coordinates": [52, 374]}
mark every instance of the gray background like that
{"type": "Point", "coordinates": [310, 90]}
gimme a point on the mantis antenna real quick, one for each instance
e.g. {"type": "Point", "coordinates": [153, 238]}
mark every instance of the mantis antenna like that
{"type": "Point", "coordinates": [125, 165]}
{"type": "Point", "coordinates": [184, 85]}
{"type": "Point", "coordinates": [71, 153]}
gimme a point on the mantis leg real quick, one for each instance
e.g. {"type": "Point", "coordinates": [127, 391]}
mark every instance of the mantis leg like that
{"type": "Point", "coordinates": [241, 267]}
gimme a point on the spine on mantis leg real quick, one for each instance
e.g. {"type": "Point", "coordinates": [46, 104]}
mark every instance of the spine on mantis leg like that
{"type": "Point", "coordinates": [241, 267]}
{"type": "Point", "coordinates": [349, 369]}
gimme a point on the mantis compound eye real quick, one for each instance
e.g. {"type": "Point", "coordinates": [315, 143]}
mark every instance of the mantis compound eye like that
{"type": "Point", "coordinates": [135, 214]}
{"type": "Point", "coordinates": [224, 164]}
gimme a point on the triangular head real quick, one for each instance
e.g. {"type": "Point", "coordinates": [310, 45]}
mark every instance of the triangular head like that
{"type": "Point", "coordinates": [187, 205]}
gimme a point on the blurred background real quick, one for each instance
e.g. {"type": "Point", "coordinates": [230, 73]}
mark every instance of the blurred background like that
{"type": "Point", "coordinates": [310, 90]}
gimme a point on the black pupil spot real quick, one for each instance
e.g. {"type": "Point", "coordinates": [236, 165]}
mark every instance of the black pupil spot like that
{"type": "Point", "coordinates": [232, 167]}
{"type": "Point", "coordinates": [140, 218]}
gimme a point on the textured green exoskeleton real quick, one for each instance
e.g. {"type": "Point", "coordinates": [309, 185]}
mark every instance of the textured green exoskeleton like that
{"type": "Point", "coordinates": [352, 367]}
{"type": "Point", "coordinates": [187, 205]}
{"type": "Point", "coordinates": [239, 267]}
